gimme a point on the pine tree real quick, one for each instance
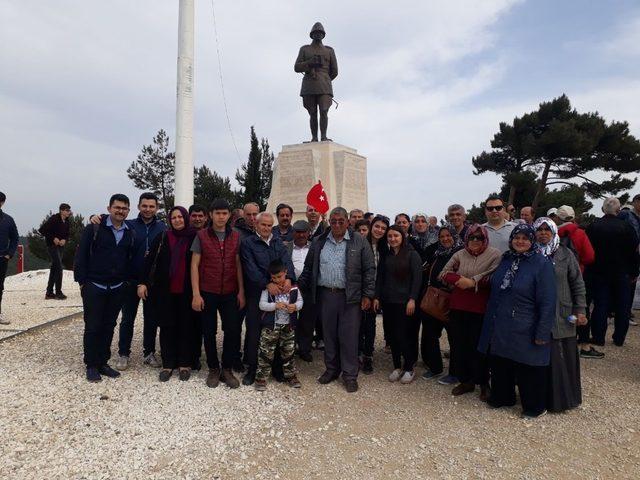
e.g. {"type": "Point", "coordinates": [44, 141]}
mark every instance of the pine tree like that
{"type": "Point", "coordinates": [254, 176]}
{"type": "Point", "coordinates": [208, 186]}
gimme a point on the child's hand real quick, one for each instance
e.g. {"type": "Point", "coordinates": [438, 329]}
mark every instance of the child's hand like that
{"type": "Point", "coordinates": [291, 307]}
{"type": "Point", "coordinates": [281, 306]}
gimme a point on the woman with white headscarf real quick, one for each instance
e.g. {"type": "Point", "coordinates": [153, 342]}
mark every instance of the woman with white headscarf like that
{"type": "Point", "coordinates": [564, 390]}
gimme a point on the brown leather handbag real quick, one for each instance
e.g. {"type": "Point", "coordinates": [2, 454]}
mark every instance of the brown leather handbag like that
{"type": "Point", "coordinates": [435, 302]}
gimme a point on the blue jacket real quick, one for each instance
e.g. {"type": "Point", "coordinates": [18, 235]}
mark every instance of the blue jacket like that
{"type": "Point", "coordinates": [521, 314]}
{"type": "Point", "coordinates": [256, 256]}
{"type": "Point", "coordinates": [99, 259]}
{"type": "Point", "coordinates": [8, 235]}
{"type": "Point", "coordinates": [145, 234]}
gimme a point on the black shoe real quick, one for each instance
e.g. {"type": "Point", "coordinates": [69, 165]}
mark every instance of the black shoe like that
{"type": "Point", "coordinates": [249, 377]}
{"type": "Point", "coordinates": [185, 374]}
{"type": "Point", "coordinates": [305, 356]}
{"type": "Point", "coordinates": [60, 296]}
{"type": "Point", "coordinates": [49, 296]}
{"type": "Point", "coordinates": [351, 385]}
{"type": "Point", "coordinates": [327, 377]}
{"type": "Point", "coordinates": [165, 375]}
{"type": "Point", "coordinates": [591, 353]}
{"type": "Point", "coordinates": [93, 375]}
{"type": "Point", "coordinates": [107, 371]}
{"type": "Point", "coordinates": [367, 365]}
{"type": "Point", "coordinates": [238, 366]}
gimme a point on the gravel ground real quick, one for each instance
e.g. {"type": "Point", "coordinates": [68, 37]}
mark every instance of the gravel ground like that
{"type": "Point", "coordinates": [56, 425]}
{"type": "Point", "coordinates": [24, 305]}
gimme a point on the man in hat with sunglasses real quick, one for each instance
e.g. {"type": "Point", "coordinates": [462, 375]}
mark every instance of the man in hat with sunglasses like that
{"type": "Point", "coordinates": [319, 65]}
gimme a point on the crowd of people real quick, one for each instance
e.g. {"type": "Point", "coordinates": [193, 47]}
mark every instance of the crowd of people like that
{"type": "Point", "coordinates": [521, 300]}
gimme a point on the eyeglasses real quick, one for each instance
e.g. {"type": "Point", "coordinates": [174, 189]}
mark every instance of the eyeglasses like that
{"type": "Point", "coordinates": [120, 209]}
{"type": "Point", "coordinates": [495, 208]}
{"type": "Point", "coordinates": [477, 238]}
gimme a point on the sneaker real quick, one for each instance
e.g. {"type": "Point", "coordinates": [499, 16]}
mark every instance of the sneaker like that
{"type": "Point", "coordinates": [395, 375]}
{"type": "Point", "coordinates": [367, 365]}
{"type": "Point", "coordinates": [429, 375]}
{"type": "Point", "coordinates": [533, 416]}
{"type": "Point", "coordinates": [260, 384]}
{"type": "Point", "coordinates": [448, 380]}
{"type": "Point", "coordinates": [49, 296]}
{"type": "Point", "coordinates": [107, 371]}
{"type": "Point", "coordinates": [633, 323]}
{"type": "Point", "coordinates": [463, 388]}
{"type": "Point", "coordinates": [122, 363]}
{"type": "Point", "coordinates": [591, 353]}
{"type": "Point", "coordinates": [213, 378]}
{"type": "Point", "coordinates": [152, 361]}
{"type": "Point", "coordinates": [185, 374]}
{"type": "Point", "coordinates": [351, 386]}
{"type": "Point", "coordinates": [60, 296]}
{"type": "Point", "coordinates": [165, 375]}
{"type": "Point", "coordinates": [93, 375]}
{"type": "Point", "coordinates": [294, 382]}
{"type": "Point", "coordinates": [229, 379]}
{"type": "Point", "coordinates": [3, 320]}
{"type": "Point", "coordinates": [407, 377]}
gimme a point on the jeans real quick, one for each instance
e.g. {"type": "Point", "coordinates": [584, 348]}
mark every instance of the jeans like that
{"type": "Point", "coordinates": [610, 294]}
{"type": "Point", "coordinates": [129, 312]}
{"type": "Point", "coordinates": [3, 273]}
{"type": "Point", "coordinates": [101, 308]}
{"type": "Point", "coordinates": [55, 272]}
{"type": "Point", "coordinates": [228, 307]}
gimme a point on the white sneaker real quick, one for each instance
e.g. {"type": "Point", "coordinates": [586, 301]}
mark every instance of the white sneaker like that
{"type": "Point", "coordinates": [408, 377]}
{"type": "Point", "coordinates": [3, 320]}
{"type": "Point", "coordinates": [122, 363]}
{"type": "Point", "coordinates": [152, 361]}
{"type": "Point", "coordinates": [395, 375]}
{"type": "Point", "coordinates": [632, 322]}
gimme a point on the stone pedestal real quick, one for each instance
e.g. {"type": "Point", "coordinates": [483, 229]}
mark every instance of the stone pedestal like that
{"type": "Point", "coordinates": [341, 170]}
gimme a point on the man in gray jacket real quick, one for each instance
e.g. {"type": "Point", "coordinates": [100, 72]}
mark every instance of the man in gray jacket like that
{"type": "Point", "coordinates": [339, 276]}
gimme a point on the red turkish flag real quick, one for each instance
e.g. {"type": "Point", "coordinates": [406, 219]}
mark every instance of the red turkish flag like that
{"type": "Point", "coordinates": [317, 198]}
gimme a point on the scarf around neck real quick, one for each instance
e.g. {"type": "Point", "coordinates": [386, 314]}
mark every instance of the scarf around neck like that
{"type": "Point", "coordinates": [515, 257]}
{"type": "Point", "coordinates": [550, 248]}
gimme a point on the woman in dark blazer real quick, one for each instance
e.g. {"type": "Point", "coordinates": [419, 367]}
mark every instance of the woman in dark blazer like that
{"type": "Point", "coordinates": [516, 333]}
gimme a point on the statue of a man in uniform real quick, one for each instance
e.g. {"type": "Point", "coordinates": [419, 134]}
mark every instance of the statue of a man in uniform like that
{"type": "Point", "coordinates": [319, 65]}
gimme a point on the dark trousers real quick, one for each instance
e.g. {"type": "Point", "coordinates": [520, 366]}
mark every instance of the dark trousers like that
{"type": "Point", "coordinates": [101, 308]}
{"type": "Point", "coordinates": [3, 273]}
{"type": "Point", "coordinates": [584, 331]}
{"type": "Point", "coordinates": [610, 294]}
{"type": "Point", "coordinates": [386, 329]}
{"type": "Point", "coordinates": [531, 381]}
{"type": "Point", "coordinates": [469, 365]}
{"type": "Point", "coordinates": [150, 325]}
{"type": "Point", "coordinates": [55, 272]}
{"type": "Point", "coordinates": [252, 330]}
{"type": "Point", "coordinates": [196, 319]}
{"type": "Point", "coordinates": [403, 335]}
{"type": "Point", "coordinates": [367, 335]}
{"type": "Point", "coordinates": [318, 335]}
{"type": "Point", "coordinates": [430, 342]}
{"type": "Point", "coordinates": [304, 328]}
{"type": "Point", "coordinates": [176, 331]}
{"type": "Point", "coordinates": [227, 305]}
{"type": "Point", "coordinates": [340, 326]}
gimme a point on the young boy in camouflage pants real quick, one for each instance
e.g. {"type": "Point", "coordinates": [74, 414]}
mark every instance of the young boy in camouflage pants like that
{"type": "Point", "coordinates": [279, 314]}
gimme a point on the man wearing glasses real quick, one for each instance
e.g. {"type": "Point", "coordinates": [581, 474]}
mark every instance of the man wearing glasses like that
{"type": "Point", "coordinates": [103, 268]}
{"type": "Point", "coordinates": [339, 276]}
{"type": "Point", "coordinates": [499, 229]}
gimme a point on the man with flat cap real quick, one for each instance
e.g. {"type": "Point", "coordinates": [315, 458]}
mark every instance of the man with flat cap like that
{"type": "Point", "coordinates": [319, 65]}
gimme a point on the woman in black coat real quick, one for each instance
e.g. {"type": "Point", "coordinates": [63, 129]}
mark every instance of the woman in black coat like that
{"type": "Point", "coordinates": [165, 281]}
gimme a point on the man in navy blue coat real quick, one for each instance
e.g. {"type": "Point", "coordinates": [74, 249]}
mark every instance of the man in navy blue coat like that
{"type": "Point", "coordinates": [8, 245]}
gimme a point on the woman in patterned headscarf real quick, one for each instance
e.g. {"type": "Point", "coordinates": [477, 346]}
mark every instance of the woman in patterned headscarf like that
{"type": "Point", "coordinates": [467, 272]}
{"type": "Point", "coordinates": [516, 333]}
{"type": "Point", "coordinates": [564, 368]}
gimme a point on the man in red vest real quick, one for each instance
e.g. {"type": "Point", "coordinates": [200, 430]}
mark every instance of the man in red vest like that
{"type": "Point", "coordinates": [216, 278]}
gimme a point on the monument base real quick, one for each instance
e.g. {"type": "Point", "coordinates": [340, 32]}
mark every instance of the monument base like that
{"type": "Point", "coordinates": [341, 170]}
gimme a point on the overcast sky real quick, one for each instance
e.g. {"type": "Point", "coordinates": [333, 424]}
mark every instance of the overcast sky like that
{"type": "Point", "coordinates": [422, 87]}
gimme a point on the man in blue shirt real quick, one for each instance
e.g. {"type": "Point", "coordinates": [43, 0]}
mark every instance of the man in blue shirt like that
{"type": "Point", "coordinates": [8, 245]}
{"type": "Point", "coordinates": [103, 270]}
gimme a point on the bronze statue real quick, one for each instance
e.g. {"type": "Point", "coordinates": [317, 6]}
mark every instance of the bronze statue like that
{"type": "Point", "coordinates": [319, 65]}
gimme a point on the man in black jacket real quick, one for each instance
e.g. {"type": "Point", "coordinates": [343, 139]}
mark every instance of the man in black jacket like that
{"type": "Point", "coordinates": [56, 234]}
{"type": "Point", "coordinates": [8, 245]}
{"type": "Point", "coordinates": [339, 275]}
{"type": "Point", "coordinates": [103, 268]}
{"type": "Point", "coordinates": [614, 270]}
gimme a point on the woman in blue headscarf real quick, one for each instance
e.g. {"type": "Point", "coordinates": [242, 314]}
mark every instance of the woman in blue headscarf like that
{"type": "Point", "coordinates": [565, 391]}
{"type": "Point", "coordinates": [516, 333]}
